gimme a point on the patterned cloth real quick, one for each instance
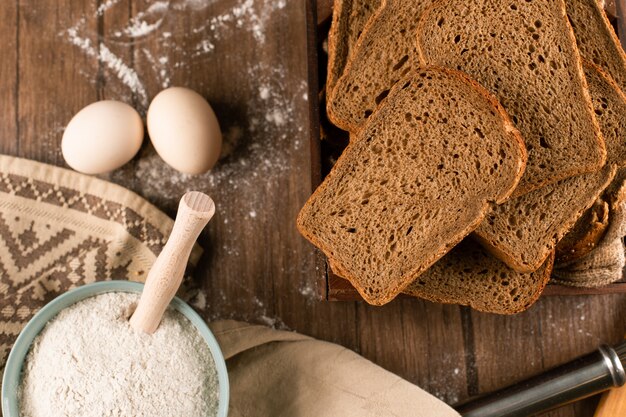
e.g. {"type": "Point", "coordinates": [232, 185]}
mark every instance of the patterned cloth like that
{"type": "Point", "coordinates": [60, 229]}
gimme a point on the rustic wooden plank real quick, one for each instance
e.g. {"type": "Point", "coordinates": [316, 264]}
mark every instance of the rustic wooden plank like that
{"type": "Point", "coordinates": [324, 10]}
{"type": "Point", "coordinates": [257, 267]}
{"type": "Point", "coordinates": [9, 78]}
{"type": "Point", "coordinates": [316, 317]}
{"type": "Point", "coordinates": [585, 323]}
{"type": "Point", "coordinates": [419, 340]}
{"type": "Point", "coordinates": [51, 88]}
{"type": "Point", "coordinates": [238, 269]}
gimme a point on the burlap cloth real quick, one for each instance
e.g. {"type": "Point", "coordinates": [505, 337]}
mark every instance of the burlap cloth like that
{"type": "Point", "coordinates": [605, 263]}
{"type": "Point", "coordinates": [60, 229]}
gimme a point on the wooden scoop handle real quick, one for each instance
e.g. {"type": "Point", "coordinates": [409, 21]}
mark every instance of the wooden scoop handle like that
{"type": "Point", "coordinates": [194, 212]}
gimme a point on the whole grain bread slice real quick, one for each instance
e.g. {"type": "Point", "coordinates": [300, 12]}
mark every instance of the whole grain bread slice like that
{"type": "Point", "coordinates": [596, 39]}
{"type": "Point", "coordinates": [610, 107]}
{"type": "Point", "coordinates": [609, 104]}
{"type": "Point", "coordinates": [349, 19]}
{"type": "Point", "coordinates": [469, 275]}
{"type": "Point", "coordinates": [524, 52]}
{"type": "Point", "coordinates": [418, 178]}
{"type": "Point", "coordinates": [523, 231]}
{"type": "Point", "coordinates": [384, 53]}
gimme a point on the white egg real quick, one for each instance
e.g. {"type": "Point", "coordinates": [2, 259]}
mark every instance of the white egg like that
{"type": "Point", "coordinates": [184, 130]}
{"type": "Point", "coordinates": [102, 137]}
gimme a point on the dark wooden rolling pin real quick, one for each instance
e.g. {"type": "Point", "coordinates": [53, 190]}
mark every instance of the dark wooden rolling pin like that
{"type": "Point", "coordinates": [583, 377]}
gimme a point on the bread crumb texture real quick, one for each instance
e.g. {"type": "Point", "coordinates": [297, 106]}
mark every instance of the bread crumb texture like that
{"type": "Point", "coordinates": [418, 178]}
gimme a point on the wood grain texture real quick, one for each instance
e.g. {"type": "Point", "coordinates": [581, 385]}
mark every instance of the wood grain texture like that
{"type": "Point", "coordinates": [256, 267]}
{"type": "Point", "coordinates": [9, 80]}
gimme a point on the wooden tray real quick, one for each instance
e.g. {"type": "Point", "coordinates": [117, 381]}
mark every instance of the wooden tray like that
{"type": "Point", "coordinates": [327, 143]}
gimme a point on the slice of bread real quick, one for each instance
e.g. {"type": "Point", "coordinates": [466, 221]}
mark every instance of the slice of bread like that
{"type": "Point", "coordinates": [468, 275]}
{"type": "Point", "coordinates": [610, 107]}
{"type": "Point", "coordinates": [349, 19]}
{"type": "Point", "coordinates": [523, 231]}
{"type": "Point", "coordinates": [414, 182]}
{"type": "Point", "coordinates": [524, 52]}
{"type": "Point", "coordinates": [384, 53]}
{"type": "Point", "coordinates": [596, 38]}
{"type": "Point", "coordinates": [586, 233]}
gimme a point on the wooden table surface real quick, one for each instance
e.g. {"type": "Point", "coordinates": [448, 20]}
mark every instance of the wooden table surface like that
{"type": "Point", "coordinates": [248, 58]}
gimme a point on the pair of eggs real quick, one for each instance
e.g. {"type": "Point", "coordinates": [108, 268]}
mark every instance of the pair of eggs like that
{"type": "Point", "coordinates": [107, 134]}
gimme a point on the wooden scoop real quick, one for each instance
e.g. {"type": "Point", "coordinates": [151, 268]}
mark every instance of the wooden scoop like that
{"type": "Point", "coordinates": [194, 212]}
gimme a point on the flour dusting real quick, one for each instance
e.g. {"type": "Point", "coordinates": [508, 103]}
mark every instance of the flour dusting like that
{"type": "Point", "coordinates": [167, 43]}
{"type": "Point", "coordinates": [146, 22]}
{"type": "Point", "coordinates": [125, 74]}
{"type": "Point", "coordinates": [160, 21]}
{"type": "Point", "coordinates": [106, 6]}
{"type": "Point", "coordinates": [88, 361]}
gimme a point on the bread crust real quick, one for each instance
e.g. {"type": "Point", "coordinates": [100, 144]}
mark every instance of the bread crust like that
{"type": "Point", "coordinates": [332, 116]}
{"type": "Point", "coordinates": [587, 236]}
{"type": "Point", "coordinates": [584, 237]}
{"type": "Point", "coordinates": [384, 12]}
{"type": "Point", "coordinates": [332, 69]}
{"type": "Point", "coordinates": [338, 42]}
{"type": "Point", "coordinates": [608, 30]}
{"type": "Point", "coordinates": [606, 78]}
{"type": "Point", "coordinates": [545, 271]}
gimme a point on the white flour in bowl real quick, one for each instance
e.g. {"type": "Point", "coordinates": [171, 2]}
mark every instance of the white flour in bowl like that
{"type": "Point", "coordinates": [88, 361]}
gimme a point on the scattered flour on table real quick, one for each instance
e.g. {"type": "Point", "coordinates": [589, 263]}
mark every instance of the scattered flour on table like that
{"type": "Point", "coordinates": [124, 73]}
{"type": "Point", "coordinates": [146, 22]}
{"type": "Point", "coordinates": [254, 151]}
{"type": "Point", "coordinates": [261, 135]}
{"type": "Point", "coordinates": [88, 361]}
{"type": "Point", "coordinates": [308, 290]}
{"type": "Point", "coordinates": [160, 21]}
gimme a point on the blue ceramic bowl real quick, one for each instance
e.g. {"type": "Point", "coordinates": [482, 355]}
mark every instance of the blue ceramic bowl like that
{"type": "Point", "coordinates": [13, 369]}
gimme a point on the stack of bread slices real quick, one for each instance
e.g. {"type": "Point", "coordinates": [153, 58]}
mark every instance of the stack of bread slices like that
{"type": "Point", "coordinates": [481, 133]}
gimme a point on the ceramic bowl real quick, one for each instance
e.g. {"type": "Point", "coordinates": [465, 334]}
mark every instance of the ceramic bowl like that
{"type": "Point", "coordinates": [13, 369]}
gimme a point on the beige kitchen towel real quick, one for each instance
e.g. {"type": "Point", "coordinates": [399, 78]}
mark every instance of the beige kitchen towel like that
{"type": "Point", "coordinates": [60, 229]}
{"type": "Point", "coordinates": [276, 373]}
